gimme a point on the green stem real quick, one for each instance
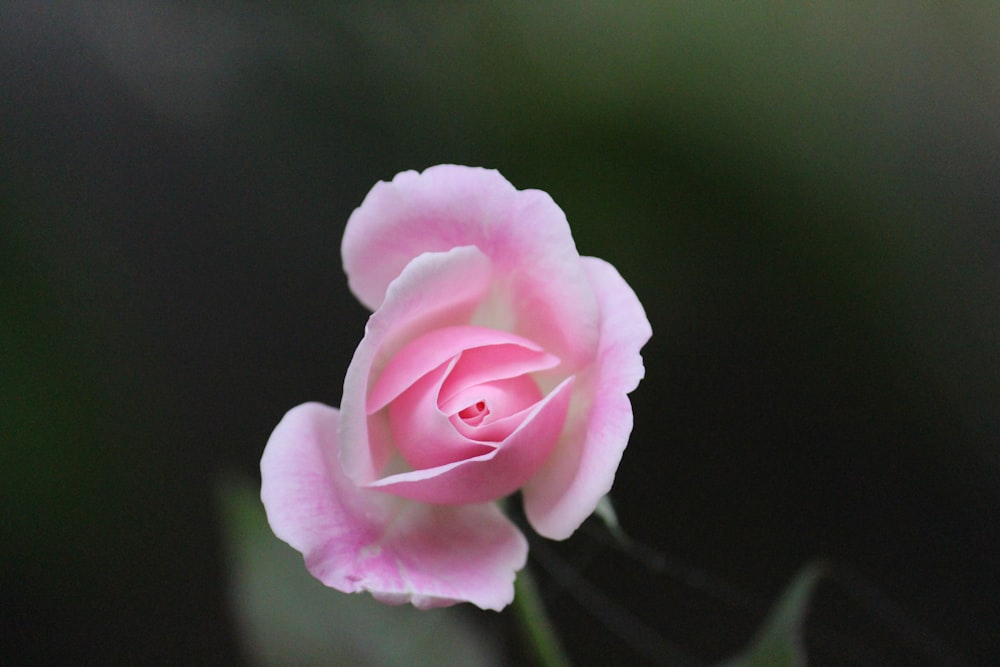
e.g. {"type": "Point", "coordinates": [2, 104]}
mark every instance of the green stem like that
{"type": "Point", "coordinates": [536, 624]}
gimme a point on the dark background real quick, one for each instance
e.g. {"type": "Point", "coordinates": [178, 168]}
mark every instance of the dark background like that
{"type": "Point", "coordinates": [805, 199]}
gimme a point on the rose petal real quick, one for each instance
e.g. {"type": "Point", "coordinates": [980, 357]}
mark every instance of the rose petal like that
{"type": "Point", "coordinates": [497, 473]}
{"type": "Point", "coordinates": [423, 435]}
{"type": "Point", "coordinates": [541, 289]}
{"type": "Point", "coordinates": [428, 437]}
{"type": "Point", "coordinates": [491, 431]}
{"type": "Point", "coordinates": [582, 468]}
{"type": "Point", "coordinates": [359, 540]}
{"type": "Point", "coordinates": [435, 290]}
{"type": "Point", "coordinates": [500, 399]}
{"type": "Point", "coordinates": [493, 363]}
{"type": "Point", "coordinates": [506, 355]}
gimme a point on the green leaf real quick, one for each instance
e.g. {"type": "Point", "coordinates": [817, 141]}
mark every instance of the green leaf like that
{"type": "Point", "coordinates": [286, 617]}
{"type": "Point", "coordinates": [779, 641]}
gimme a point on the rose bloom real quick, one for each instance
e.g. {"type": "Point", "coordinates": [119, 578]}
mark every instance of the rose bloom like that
{"type": "Point", "coordinates": [496, 360]}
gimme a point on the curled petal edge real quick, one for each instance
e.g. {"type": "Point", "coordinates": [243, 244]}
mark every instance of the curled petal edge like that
{"type": "Point", "coordinates": [581, 469]}
{"type": "Point", "coordinates": [524, 233]}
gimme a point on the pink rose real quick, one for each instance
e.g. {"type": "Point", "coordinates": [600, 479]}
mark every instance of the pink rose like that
{"type": "Point", "coordinates": [497, 359]}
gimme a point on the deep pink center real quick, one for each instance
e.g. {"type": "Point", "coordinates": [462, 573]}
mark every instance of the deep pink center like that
{"type": "Point", "coordinates": [474, 414]}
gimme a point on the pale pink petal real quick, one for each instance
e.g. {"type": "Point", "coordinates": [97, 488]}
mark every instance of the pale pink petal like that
{"type": "Point", "coordinates": [422, 434]}
{"type": "Point", "coordinates": [492, 363]}
{"type": "Point", "coordinates": [499, 399]}
{"type": "Point", "coordinates": [442, 208]}
{"type": "Point", "coordinates": [435, 290]}
{"type": "Point", "coordinates": [507, 355]}
{"type": "Point", "coordinates": [495, 474]}
{"type": "Point", "coordinates": [582, 468]}
{"type": "Point", "coordinates": [491, 431]}
{"type": "Point", "coordinates": [541, 287]}
{"type": "Point", "coordinates": [359, 540]}
{"type": "Point", "coordinates": [428, 436]}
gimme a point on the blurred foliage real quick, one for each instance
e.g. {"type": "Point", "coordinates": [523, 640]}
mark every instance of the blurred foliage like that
{"type": "Point", "coordinates": [285, 616]}
{"type": "Point", "coordinates": [780, 642]}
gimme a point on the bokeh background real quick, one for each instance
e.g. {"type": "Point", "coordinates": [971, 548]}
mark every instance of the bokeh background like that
{"type": "Point", "coordinates": [804, 196]}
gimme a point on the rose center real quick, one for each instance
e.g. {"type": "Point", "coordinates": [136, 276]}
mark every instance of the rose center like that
{"type": "Point", "coordinates": [474, 414]}
{"type": "Point", "coordinates": [457, 393]}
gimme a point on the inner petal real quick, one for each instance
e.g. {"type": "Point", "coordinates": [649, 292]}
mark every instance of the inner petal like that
{"type": "Point", "coordinates": [474, 414]}
{"type": "Point", "coordinates": [488, 354]}
{"type": "Point", "coordinates": [501, 398]}
{"type": "Point", "coordinates": [490, 412]}
{"type": "Point", "coordinates": [493, 431]}
{"type": "Point", "coordinates": [424, 436]}
{"type": "Point", "coordinates": [497, 473]}
{"type": "Point", "coordinates": [489, 363]}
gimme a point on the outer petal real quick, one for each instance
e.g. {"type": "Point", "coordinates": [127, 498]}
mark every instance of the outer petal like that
{"type": "Point", "coordinates": [358, 540]}
{"type": "Point", "coordinates": [542, 289]}
{"type": "Point", "coordinates": [582, 468]}
{"type": "Point", "coordinates": [435, 290]}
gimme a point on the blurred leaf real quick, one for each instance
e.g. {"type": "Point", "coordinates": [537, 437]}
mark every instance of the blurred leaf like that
{"type": "Point", "coordinates": [605, 511]}
{"type": "Point", "coordinates": [779, 642]}
{"type": "Point", "coordinates": [286, 617]}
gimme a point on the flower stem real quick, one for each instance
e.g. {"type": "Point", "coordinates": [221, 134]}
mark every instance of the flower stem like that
{"type": "Point", "coordinates": [536, 624]}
